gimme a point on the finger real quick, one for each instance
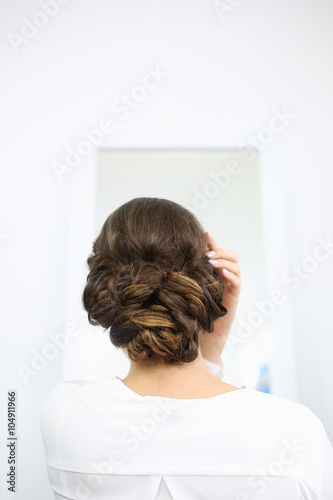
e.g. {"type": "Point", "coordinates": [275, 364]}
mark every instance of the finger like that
{"type": "Point", "coordinates": [226, 264]}
{"type": "Point", "coordinates": [225, 254]}
{"type": "Point", "coordinates": [234, 280]}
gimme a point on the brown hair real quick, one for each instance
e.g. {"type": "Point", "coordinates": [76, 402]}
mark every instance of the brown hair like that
{"type": "Point", "coordinates": [150, 282]}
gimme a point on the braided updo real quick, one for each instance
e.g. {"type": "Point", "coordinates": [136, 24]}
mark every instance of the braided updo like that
{"type": "Point", "coordinates": [150, 282]}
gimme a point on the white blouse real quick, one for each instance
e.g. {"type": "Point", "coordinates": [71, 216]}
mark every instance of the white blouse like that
{"type": "Point", "coordinates": [104, 441]}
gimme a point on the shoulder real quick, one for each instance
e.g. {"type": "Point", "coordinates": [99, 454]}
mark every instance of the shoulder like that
{"type": "Point", "coordinates": [282, 421]}
{"type": "Point", "coordinates": [295, 434]}
{"type": "Point", "coordinates": [66, 387]}
{"type": "Point", "coordinates": [63, 397]}
{"type": "Point", "coordinates": [284, 410]}
{"type": "Point", "coordinates": [69, 409]}
{"type": "Point", "coordinates": [69, 393]}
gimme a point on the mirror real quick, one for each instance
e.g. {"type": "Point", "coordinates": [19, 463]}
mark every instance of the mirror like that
{"type": "Point", "coordinates": [222, 189]}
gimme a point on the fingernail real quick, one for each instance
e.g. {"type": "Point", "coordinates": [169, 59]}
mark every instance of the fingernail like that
{"type": "Point", "coordinates": [211, 253]}
{"type": "Point", "coordinates": [226, 271]}
{"type": "Point", "coordinates": [213, 261]}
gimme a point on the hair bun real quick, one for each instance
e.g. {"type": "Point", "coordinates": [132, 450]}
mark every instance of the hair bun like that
{"type": "Point", "coordinates": [150, 281]}
{"type": "Point", "coordinates": [155, 310]}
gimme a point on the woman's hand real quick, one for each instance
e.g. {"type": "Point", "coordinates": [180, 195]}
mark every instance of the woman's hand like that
{"type": "Point", "coordinates": [226, 262]}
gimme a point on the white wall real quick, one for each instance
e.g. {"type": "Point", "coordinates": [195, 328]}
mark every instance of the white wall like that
{"type": "Point", "coordinates": [226, 77]}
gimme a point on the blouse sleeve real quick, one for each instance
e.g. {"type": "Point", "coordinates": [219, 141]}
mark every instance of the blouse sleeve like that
{"type": "Point", "coordinates": [215, 369]}
{"type": "Point", "coordinates": [326, 490]}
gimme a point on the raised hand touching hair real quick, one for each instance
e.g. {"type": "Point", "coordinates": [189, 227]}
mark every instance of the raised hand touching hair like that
{"type": "Point", "coordinates": [226, 263]}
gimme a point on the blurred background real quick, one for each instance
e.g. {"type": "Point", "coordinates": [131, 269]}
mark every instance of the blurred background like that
{"type": "Point", "coordinates": [222, 106]}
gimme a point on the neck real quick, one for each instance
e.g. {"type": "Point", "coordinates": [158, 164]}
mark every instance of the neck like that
{"type": "Point", "coordinates": [162, 373]}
